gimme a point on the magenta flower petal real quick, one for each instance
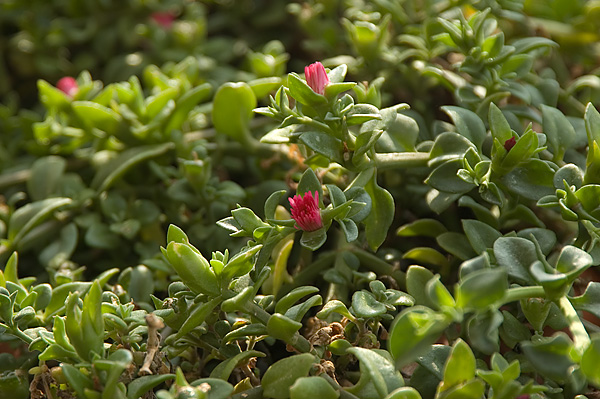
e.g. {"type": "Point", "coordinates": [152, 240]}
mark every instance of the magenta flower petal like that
{"type": "Point", "coordinates": [164, 19]}
{"type": "Point", "coordinates": [510, 143]}
{"type": "Point", "coordinates": [306, 211]}
{"type": "Point", "coordinates": [67, 85]}
{"type": "Point", "coordinates": [316, 77]}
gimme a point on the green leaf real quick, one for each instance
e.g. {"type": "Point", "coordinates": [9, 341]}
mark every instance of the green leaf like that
{"type": "Point", "coordinates": [365, 305]}
{"type": "Point", "coordinates": [51, 97]}
{"type": "Point", "coordinates": [292, 297]}
{"type": "Point", "coordinates": [248, 330]}
{"type": "Point", "coordinates": [426, 255]}
{"type": "Point", "coordinates": [558, 129]}
{"type": "Point", "coordinates": [241, 263]}
{"type": "Point", "coordinates": [332, 90]}
{"type": "Point", "coordinates": [193, 269]}
{"type": "Point", "coordinates": [460, 366]}
{"type": "Point", "coordinates": [481, 235]}
{"type": "Point", "coordinates": [282, 327]}
{"type": "Point", "coordinates": [592, 124]}
{"type": "Point", "coordinates": [335, 306]}
{"type": "Point", "coordinates": [457, 244]}
{"type": "Point", "coordinates": [45, 175]}
{"type": "Point", "coordinates": [438, 294]}
{"type": "Point", "coordinates": [378, 375]}
{"type": "Point", "coordinates": [413, 332]}
{"type": "Point", "coordinates": [400, 132]}
{"type": "Point", "coordinates": [516, 255]}
{"type": "Point", "coordinates": [263, 86]}
{"type": "Point", "coordinates": [532, 179]}
{"type": "Point", "coordinates": [422, 227]}
{"type": "Point", "coordinates": [199, 312]}
{"type": "Point", "coordinates": [445, 178]}
{"type": "Point", "coordinates": [417, 278]}
{"type": "Point", "coordinates": [141, 385]}
{"type": "Point", "coordinates": [550, 356]}
{"type": "Point", "coordinates": [589, 300]}
{"type": "Point", "coordinates": [311, 388]}
{"type": "Point", "coordinates": [448, 146]}
{"type": "Point", "coordinates": [224, 369]}
{"type": "Point", "coordinates": [78, 381]}
{"type": "Point", "coordinates": [94, 115]}
{"type": "Point", "coordinates": [24, 219]}
{"type": "Point", "coordinates": [282, 374]}
{"type": "Point", "coordinates": [185, 104]}
{"type": "Point", "coordinates": [114, 169]}
{"type": "Point", "coordinates": [298, 312]}
{"type": "Point", "coordinates": [481, 289]}
{"type": "Point", "coordinates": [467, 124]}
{"type": "Point", "coordinates": [589, 362]}
{"type": "Point", "coordinates": [324, 144]}
{"type": "Point", "coordinates": [482, 330]}
{"type": "Point", "coordinates": [498, 124]}
{"type": "Point", "coordinates": [247, 219]}
{"type": "Point", "coordinates": [536, 311]}
{"type": "Point", "coordinates": [154, 104]}
{"type": "Point", "coordinates": [382, 213]}
{"type": "Point", "coordinates": [404, 393]}
{"type": "Point", "coordinates": [338, 74]}
{"type": "Point", "coordinates": [233, 107]}
{"type": "Point", "coordinates": [272, 202]}
{"type": "Point", "coordinates": [310, 182]}
{"type": "Point", "coordinates": [85, 327]}
{"type": "Point", "coordinates": [302, 92]}
{"type": "Point", "coordinates": [573, 261]}
{"type": "Point", "coordinates": [313, 240]}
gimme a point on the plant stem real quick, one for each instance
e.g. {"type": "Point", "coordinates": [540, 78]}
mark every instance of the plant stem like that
{"type": "Point", "coordinates": [581, 339]}
{"type": "Point", "coordinates": [395, 160]}
{"type": "Point", "coordinates": [9, 179]}
{"type": "Point", "coordinates": [516, 294]}
{"type": "Point", "coordinates": [21, 335]}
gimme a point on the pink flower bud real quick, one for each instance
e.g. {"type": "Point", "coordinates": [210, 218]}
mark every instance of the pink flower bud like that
{"type": "Point", "coordinates": [510, 143]}
{"type": "Point", "coordinates": [306, 211]}
{"type": "Point", "coordinates": [68, 85]}
{"type": "Point", "coordinates": [164, 19]}
{"type": "Point", "coordinates": [316, 77]}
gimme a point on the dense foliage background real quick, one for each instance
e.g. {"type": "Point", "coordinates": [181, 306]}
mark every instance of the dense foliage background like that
{"type": "Point", "coordinates": [146, 233]}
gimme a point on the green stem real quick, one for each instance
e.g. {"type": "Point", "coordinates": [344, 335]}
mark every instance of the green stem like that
{"type": "Point", "coordinates": [305, 120]}
{"type": "Point", "coordinates": [21, 335]}
{"type": "Point", "coordinates": [516, 294]}
{"type": "Point", "coordinates": [396, 160]}
{"type": "Point", "coordinates": [581, 339]}
{"type": "Point", "coordinates": [9, 179]}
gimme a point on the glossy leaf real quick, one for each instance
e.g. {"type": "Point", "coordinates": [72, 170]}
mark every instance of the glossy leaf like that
{"type": "Point", "coordinates": [281, 375]}
{"type": "Point", "coordinates": [232, 110]}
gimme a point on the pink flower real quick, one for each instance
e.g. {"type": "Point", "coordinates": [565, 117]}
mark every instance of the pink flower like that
{"type": "Point", "coordinates": [306, 212]}
{"type": "Point", "coordinates": [510, 143]}
{"type": "Point", "coordinates": [316, 77]}
{"type": "Point", "coordinates": [68, 85]}
{"type": "Point", "coordinates": [164, 19]}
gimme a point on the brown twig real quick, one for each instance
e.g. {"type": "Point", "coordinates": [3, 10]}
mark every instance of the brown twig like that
{"type": "Point", "coordinates": [154, 324]}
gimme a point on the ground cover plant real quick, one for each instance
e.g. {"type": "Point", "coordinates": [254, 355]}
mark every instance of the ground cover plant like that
{"type": "Point", "coordinates": [316, 199]}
